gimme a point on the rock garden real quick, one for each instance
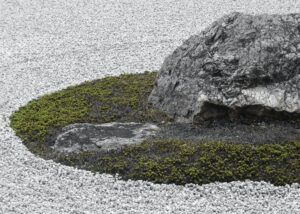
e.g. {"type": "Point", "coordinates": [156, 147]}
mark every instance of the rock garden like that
{"type": "Point", "coordinates": [225, 106]}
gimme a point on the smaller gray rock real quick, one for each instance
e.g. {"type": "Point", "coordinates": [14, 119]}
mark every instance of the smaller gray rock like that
{"type": "Point", "coordinates": [108, 136]}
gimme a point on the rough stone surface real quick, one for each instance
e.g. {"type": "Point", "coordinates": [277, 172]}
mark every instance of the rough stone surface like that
{"type": "Point", "coordinates": [107, 136]}
{"type": "Point", "coordinates": [240, 65]}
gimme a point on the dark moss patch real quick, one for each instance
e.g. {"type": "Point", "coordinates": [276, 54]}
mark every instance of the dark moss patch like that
{"type": "Point", "coordinates": [124, 99]}
{"type": "Point", "coordinates": [182, 162]}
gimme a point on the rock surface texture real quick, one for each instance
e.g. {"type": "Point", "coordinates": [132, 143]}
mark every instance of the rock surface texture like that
{"type": "Point", "coordinates": [90, 137]}
{"type": "Point", "coordinates": [240, 65]}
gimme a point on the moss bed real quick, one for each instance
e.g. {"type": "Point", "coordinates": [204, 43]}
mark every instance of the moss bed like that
{"type": "Point", "coordinates": [124, 99]}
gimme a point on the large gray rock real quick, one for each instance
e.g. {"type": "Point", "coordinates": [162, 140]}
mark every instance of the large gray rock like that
{"type": "Point", "coordinates": [240, 65]}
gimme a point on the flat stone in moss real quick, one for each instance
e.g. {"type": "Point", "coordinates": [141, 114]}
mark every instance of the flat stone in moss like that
{"type": "Point", "coordinates": [107, 136]}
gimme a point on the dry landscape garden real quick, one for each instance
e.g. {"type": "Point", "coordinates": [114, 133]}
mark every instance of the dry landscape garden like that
{"type": "Point", "coordinates": [224, 107]}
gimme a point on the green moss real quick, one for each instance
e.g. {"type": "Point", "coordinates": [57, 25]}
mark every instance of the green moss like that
{"type": "Point", "coordinates": [124, 98]}
{"type": "Point", "coordinates": [203, 162]}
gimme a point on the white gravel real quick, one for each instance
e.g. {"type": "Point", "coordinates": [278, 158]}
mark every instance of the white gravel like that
{"type": "Point", "coordinates": [47, 45]}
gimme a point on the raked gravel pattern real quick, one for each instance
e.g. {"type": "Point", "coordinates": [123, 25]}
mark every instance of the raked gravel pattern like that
{"type": "Point", "coordinates": [47, 45]}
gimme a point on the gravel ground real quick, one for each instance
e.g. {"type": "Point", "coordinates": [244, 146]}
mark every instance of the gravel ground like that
{"type": "Point", "coordinates": [47, 45]}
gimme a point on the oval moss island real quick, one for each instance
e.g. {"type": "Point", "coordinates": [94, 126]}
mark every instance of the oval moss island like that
{"type": "Point", "coordinates": [124, 99]}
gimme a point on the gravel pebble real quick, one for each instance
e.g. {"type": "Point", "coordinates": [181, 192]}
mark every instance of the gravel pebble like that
{"type": "Point", "coordinates": [48, 45]}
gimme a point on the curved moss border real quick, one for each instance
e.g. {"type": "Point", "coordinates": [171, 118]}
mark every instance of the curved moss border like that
{"type": "Point", "coordinates": [124, 99]}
